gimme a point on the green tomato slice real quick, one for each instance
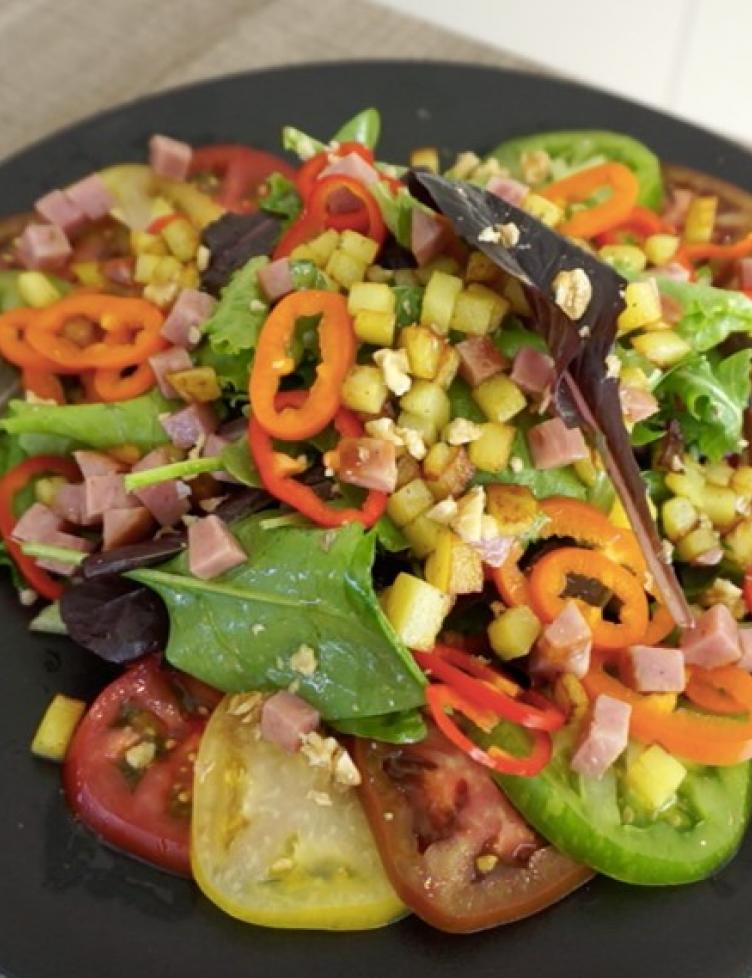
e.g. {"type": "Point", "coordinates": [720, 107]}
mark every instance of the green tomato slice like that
{"type": "Point", "coordinates": [274, 842]}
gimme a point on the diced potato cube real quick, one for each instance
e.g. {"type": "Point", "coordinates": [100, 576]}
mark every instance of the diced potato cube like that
{"type": "Point", "coordinates": [374, 327]}
{"type": "Point", "coordinates": [37, 290]}
{"type": "Point", "coordinates": [181, 238]}
{"type": "Point", "coordinates": [664, 348]}
{"type": "Point", "coordinates": [444, 263]}
{"type": "Point", "coordinates": [57, 726]}
{"type": "Point", "coordinates": [426, 157]}
{"type": "Point", "coordinates": [449, 364]}
{"type": "Point", "coordinates": [322, 247]}
{"type": "Point", "coordinates": [543, 209]}
{"type": "Point", "coordinates": [654, 777]}
{"type": "Point", "coordinates": [428, 400]}
{"type": "Point", "coordinates": [167, 270]}
{"type": "Point", "coordinates": [719, 504]}
{"type": "Point", "coordinates": [454, 567]}
{"type": "Point", "coordinates": [189, 277]}
{"type": "Point", "coordinates": [449, 471]}
{"type": "Point", "coordinates": [514, 508]}
{"type": "Point", "coordinates": [719, 473]}
{"type": "Point", "coordinates": [700, 219]}
{"type": "Point", "coordinates": [302, 252]}
{"type": "Point", "coordinates": [491, 451]}
{"type": "Point", "coordinates": [741, 480]}
{"type": "Point", "coordinates": [359, 246]}
{"type": "Point", "coordinates": [419, 422]}
{"type": "Point", "coordinates": [480, 268]}
{"type": "Point", "coordinates": [408, 469]}
{"type": "Point", "coordinates": [679, 517]}
{"type": "Point", "coordinates": [196, 384]}
{"type": "Point", "coordinates": [499, 398]}
{"type": "Point", "coordinates": [739, 543]}
{"type": "Point", "coordinates": [570, 695]}
{"type": "Point", "coordinates": [438, 301]}
{"type": "Point", "coordinates": [363, 389]}
{"type": "Point", "coordinates": [416, 611]}
{"type": "Point", "coordinates": [345, 269]}
{"type": "Point", "coordinates": [422, 534]}
{"type": "Point", "coordinates": [661, 248]}
{"type": "Point", "coordinates": [424, 350]}
{"type": "Point", "coordinates": [89, 273]}
{"type": "Point", "coordinates": [628, 257]}
{"type": "Point", "coordinates": [513, 633]}
{"type": "Point", "coordinates": [370, 297]}
{"type": "Point", "coordinates": [515, 293]}
{"type": "Point", "coordinates": [696, 543]}
{"type": "Point", "coordinates": [643, 306]}
{"type": "Point", "coordinates": [690, 483]}
{"type": "Point", "coordinates": [478, 310]}
{"type": "Point", "coordinates": [143, 243]}
{"type": "Point", "coordinates": [146, 267]}
{"type": "Point", "coordinates": [407, 503]}
{"type": "Point", "coordinates": [586, 470]}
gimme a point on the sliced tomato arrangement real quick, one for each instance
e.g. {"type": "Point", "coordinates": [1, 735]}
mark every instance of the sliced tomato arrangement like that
{"type": "Point", "coordinates": [240, 172]}
{"type": "Point", "coordinates": [128, 773]}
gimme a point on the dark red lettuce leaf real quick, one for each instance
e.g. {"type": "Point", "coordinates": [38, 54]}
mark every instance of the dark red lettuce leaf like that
{"type": "Point", "coordinates": [232, 240]}
{"type": "Point", "coordinates": [583, 395]}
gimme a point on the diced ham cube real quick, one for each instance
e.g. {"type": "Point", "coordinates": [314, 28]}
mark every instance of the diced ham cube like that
{"type": "Point", "coordinates": [212, 549]}
{"type": "Point", "coordinates": [745, 643]}
{"type": "Point", "coordinates": [169, 361]}
{"type": "Point", "coordinates": [103, 492]}
{"type": "Point", "coordinates": [169, 157]}
{"type": "Point", "coordinates": [493, 550]}
{"type": "Point", "coordinates": [636, 404]}
{"type": "Point", "coordinates": [606, 737]}
{"type": "Point", "coordinates": [157, 457]}
{"type": "Point", "coordinates": [43, 247]}
{"type": "Point", "coordinates": [214, 445]}
{"type": "Point", "coordinates": [286, 719]}
{"type": "Point", "coordinates": [714, 641]}
{"type": "Point", "coordinates": [745, 273]}
{"type": "Point", "coordinates": [479, 360]}
{"type": "Point", "coordinates": [678, 205]}
{"type": "Point", "coordinates": [70, 504]}
{"type": "Point", "coordinates": [370, 463]}
{"type": "Point", "coordinates": [533, 371]}
{"type": "Point", "coordinates": [167, 501]}
{"type": "Point", "coordinates": [191, 310]}
{"type": "Point", "coordinates": [70, 542]}
{"type": "Point", "coordinates": [428, 236]}
{"type": "Point", "coordinates": [351, 165]}
{"type": "Point", "coordinates": [275, 279]}
{"type": "Point", "coordinates": [37, 524]}
{"type": "Point", "coordinates": [656, 670]}
{"type": "Point", "coordinates": [123, 526]}
{"type": "Point", "coordinates": [512, 191]}
{"type": "Point", "coordinates": [193, 424]}
{"type": "Point", "coordinates": [97, 463]}
{"type": "Point", "coordinates": [565, 644]}
{"type": "Point", "coordinates": [92, 196]}
{"type": "Point", "coordinates": [552, 444]}
{"type": "Point", "coordinates": [57, 208]}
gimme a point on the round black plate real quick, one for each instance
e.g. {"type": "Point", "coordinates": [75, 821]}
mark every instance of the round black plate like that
{"type": "Point", "coordinates": [69, 906]}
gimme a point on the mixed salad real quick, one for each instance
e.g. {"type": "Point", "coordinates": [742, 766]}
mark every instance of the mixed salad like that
{"type": "Point", "coordinates": [413, 507]}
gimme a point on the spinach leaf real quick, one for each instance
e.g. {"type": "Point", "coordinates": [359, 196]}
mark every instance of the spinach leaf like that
{"type": "Point", "coordinates": [408, 301]}
{"type": "Point", "coordinates": [407, 727]}
{"type": "Point", "coordinates": [461, 403]}
{"type": "Point", "coordinates": [364, 128]}
{"type": "Point", "coordinates": [299, 586]}
{"type": "Point", "coordinates": [709, 315]}
{"type": "Point", "coordinates": [282, 198]}
{"type": "Point", "coordinates": [238, 462]}
{"type": "Point", "coordinates": [715, 394]}
{"type": "Point", "coordinates": [389, 535]}
{"type": "Point", "coordinates": [103, 426]}
{"type": "Point", "coordinates": [236, 322]}
{"type": "Point", "coordinates": [232, 369]}
{"type": "Point", "coordinates": [397, 210]}
{"type": "Point", "coordinates": [513, 336]}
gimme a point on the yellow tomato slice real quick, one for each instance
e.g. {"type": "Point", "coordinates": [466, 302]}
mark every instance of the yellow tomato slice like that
{"type": "Point", "coordinates": [275, 843]}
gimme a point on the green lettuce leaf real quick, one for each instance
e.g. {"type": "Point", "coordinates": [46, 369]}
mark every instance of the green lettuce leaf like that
{"type": "Point", "coordinates": [232, 369]}
{"type": "Point", "coordinates": [299, 586]}
{"type": "Point", "coordinates": [407, 727]}
{"type": "Point", "coordinates": [364, 128]}
{"type": "Point", "coordinates": [282, 198]}
{"type": "Point", "coordinates": [408, 301]}
{"type": "Point", "coordinates": [104, 426]}
{"type": "Point", "coordinates": [397, 210]}
{"type": "Point", "coordinates": [710, 315]}
{"type": "Point", "coordinates": [513, 336]}
{"type": "Point", "coordinates": [236, 322]}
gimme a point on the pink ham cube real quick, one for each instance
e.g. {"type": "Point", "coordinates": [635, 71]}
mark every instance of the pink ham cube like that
{"type": "Point", "coordinates": [57, 208]}
{"type": "Point", "coordinates": [479, 360]}
{"type": "Point", "coordinates": [169, 361]}
{"type": "Point", "coordinates": [553, 445]}
{"type": "Point", "coordinates": [565, 644]}
{"type": "Point", "coordinates": [655, 669]}
{"type": "Point", "coordinates": [169, 157]}
{"type": "Point", "coordinates": [92, 196]}
{"type": "Point", "coordinates": [43, 247]}
{"type": "Point", "coordinates": [286, 719]}
{"type": "Point", "coordinates": [190, 426]}
{"type": "Point", "coordinates": [714, 641]}
{"type": "Point", "coordinates": [533, 371]}
{"type": "Point", "coordinates": [606, 737]}
{"type": "Point", "coordinates": [37, 524]}
{"type": "Point", "coordinates": [191, 310]}
{"type": "Point", "coordinates": [121, 527]}
{"type": "Point", "coordinates": [212, 549]}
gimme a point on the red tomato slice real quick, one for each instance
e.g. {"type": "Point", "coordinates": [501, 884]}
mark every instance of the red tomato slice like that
{"type": "Point", "coordinates": [455, 850]}
{"type": "Point", "coordinates": [241, 172]}
{"type": "Point", "coordinates": [128, 774]}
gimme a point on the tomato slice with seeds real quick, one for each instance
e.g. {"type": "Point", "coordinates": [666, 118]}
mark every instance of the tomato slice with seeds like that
{"type": "Point", "coordinates": [455, 850]}
{"type": "Point", "coordinates": [128, 774]}
{"type": "Point", "coordinates": [240, 172]}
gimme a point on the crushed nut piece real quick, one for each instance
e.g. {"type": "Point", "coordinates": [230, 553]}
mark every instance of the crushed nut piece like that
{"type": "Point", "coordinates": [386, 430]}
{"type": "Point", "coordinates": [723, 591]}
{"type": "Point", "coordinates": [572, 292]}
{"type": "Point", "coordinates": [535, 165]}
{"type": "Point", "coordinates": [486, 863]}
{"type": "Point", "coordinates": [319, 751]}
{"type": "Point", "coordinates": [461, 431]}
{"type": "Point", "coordinates": [304, 661]}
{"type": "Point", "coordinates": [613, 365]}
{"type": "Point", "coordinates": [414, 443]}
{"type": "Point", "coordinates": [516, 464]}
{"type": "Point", "coordinates": [443, 512]}
{"type": "Point", "coordinates": [257, 629]}
{"type": "Point", "coordinates": [203, 258]}
{"type": "Point", "coordinates": [320, 798]}
{"type": "Point", "coordinates": [468, 523]}
{"type": "Point", "coordinates": [244, 704]}
{"type": "Point", "coordinates": [27, 597]}
{"type": "Point", "coordinates": [345, 771]}
{"type": "Point", "coordinates": [394, 366]}
{"type": "Point", "coordinates": [141, 755]}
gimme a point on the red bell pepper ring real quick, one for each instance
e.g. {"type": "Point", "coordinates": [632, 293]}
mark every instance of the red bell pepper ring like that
{"type": "Point", "coordinates": [488, 690]}
{"type": "Point", "coordinates": [641, 222]}
{"type": "Point", "coordinates": [440, 698]}
{"type": "Point", "coordinates": [13, 482]}
{"type": "Point", "coordinates": [311, 170]}
{"type": "Point", "coordinates": [296, 494]}
{"type": "Point", "coordinates": [241, 170]}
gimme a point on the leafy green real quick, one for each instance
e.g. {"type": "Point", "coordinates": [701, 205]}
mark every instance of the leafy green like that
{"type": "Point", "coordinates": [11, 452]}
{"type": "Point", "coordinates": [134, 422]}
{"type": "Point", "coordinates": [298, 587]}
{"type": "Point", "coordinates": [389, 535]}
{"type": "Point", "coordinates": [461, 403]}
{"type": "Point", "coordinates": [305, 275]}
{"type": "Point", "coordinates": [364, 128]}
{"type": "Point", "coordinates": [710, 315]}
{"type": "Point", "coordinates": [300, 143]}
{"type": "Point", "coordinates": [236, 322]}
{"type": "Point", "coordinates": [408, 301]}
{"type": "Point", "coordinates": [714, 394]}
{"type": "Point", "coordinates": [49, 621]}
{"type": "Point", "coordinates": [397, 210]}
{"type": "Point", "coordinates": [236, 459]}
{"type": "Point", "coordinates": [513, 336]}
{"type": "Point", "coordinates": [282, 198]}
{"type": "Point", "coordinates": [232, 369]}
{"type": "Point", "coordinates": [407, 727]}
{"type": "Point", "coordinates": [10, 297]}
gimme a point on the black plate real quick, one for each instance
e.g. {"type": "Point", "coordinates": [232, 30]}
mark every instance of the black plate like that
{"type": "Point", "coordinates": [70, 907]}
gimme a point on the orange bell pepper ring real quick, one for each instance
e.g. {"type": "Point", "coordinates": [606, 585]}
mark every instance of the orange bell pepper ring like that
{"type": "Point", "coordinates": [120, 385]}
{"type": "Point", "coordinates": [580, 186]}
{"type": "Point", "coordinates": [553, 574]}
{"type": "Point", "coordinates": [699, 737]}
{"type": "Point", "coordinates": [273, 361]}
{"type": "Point", "coordinates": [43, 384]}
{"type": "Point", "coordinates": [138, 322]}
{"type": "Point", "coordinates": [701, 251]}
{"type": "Point", "coordinates": [15, 348]}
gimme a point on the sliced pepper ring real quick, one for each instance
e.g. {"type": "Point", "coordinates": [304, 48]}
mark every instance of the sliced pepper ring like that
{"type": "Point", "coordinates": [44, 384]}
{"type": "Point", "coordinates": [579, 186]}
{"type": "Point", "coordinates": [273, 361]}
{"type": "Point", "coordinates": [549, 579]}
{"type": "Point", "coordinates": [14, 345]}
{"type": "Point", "coordinates": [117, 385]}
{"type": "Point", "coordinates": [113, 314]}
{"type": "Point", "coordinates": [440, 698]}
